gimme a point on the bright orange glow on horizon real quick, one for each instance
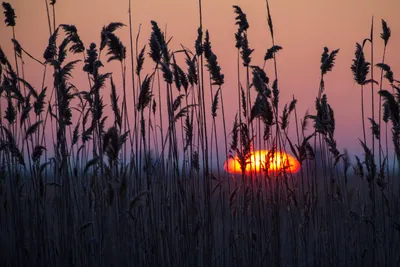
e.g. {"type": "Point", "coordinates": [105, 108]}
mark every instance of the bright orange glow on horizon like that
{"type": "Point", "coordinates": [257, 163]}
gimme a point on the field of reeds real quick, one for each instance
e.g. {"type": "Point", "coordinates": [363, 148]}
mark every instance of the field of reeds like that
{"type": "Point", "coordinates": [83, 183]}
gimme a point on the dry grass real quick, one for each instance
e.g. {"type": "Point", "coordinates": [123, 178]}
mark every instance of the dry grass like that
{"type": "Point", "coordinates": [137, 187]}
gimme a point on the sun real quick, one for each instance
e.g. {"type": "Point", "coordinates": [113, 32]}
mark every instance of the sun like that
{"type": "Point", "coordinates": [258, 159]}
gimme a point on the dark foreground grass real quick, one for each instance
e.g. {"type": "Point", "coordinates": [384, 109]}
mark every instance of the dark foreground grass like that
{"type": "Point", "coordinates": [138, 187]}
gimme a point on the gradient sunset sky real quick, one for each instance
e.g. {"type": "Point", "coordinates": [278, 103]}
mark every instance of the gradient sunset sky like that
{"type": "Point", "coordinates": [303, 28]}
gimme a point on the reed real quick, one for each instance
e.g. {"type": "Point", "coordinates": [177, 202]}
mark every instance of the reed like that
{"type": "Point", "coordinates": [83, 183]}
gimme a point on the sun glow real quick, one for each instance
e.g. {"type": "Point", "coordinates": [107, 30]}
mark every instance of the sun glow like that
{"type": "Point", "coordinates": [257, 163]}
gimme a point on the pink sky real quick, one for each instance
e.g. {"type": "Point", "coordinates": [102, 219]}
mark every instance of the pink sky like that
{"type": "Point", "coordinates": [302, 28]}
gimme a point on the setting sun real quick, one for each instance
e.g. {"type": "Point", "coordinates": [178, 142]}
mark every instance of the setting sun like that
{"type": "Point", "coordinates": [199, 133]}
{"type": "Point", "coordinates": [277, 162]}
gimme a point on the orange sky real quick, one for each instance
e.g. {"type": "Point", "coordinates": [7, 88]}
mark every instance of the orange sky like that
{"type": "Point", "coordinates": [302, 28]}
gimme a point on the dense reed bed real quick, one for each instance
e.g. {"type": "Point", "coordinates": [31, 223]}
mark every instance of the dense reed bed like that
{"type": "Point", "coordinates": [83, 183]}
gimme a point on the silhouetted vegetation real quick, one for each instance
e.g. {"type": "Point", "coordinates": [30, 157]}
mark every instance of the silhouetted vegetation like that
{"type": "Point", "coordinates": [86, 184]}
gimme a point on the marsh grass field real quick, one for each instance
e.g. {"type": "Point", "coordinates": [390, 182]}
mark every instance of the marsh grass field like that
{"type": "Point", "coordinates": [84, 183]}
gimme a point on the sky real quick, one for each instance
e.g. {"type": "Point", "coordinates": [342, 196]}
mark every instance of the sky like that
{"type": "Point", "coordinates": [302, 28]}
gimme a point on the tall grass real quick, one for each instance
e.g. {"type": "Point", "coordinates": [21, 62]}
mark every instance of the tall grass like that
{"type": "Point", "coordinates": [86, 184]}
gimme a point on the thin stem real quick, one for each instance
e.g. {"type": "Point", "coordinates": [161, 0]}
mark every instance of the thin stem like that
{"type": "Point", "coordinates": [380, 106]}
{"type": "Point", "coordinates": [362, 113]}
{"type": "Point", "coordinates": [372, 83]}
{"type": "Point", "coordinates": [133, 77]}
{"type": "Point", "coordinates": [48, 16]}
